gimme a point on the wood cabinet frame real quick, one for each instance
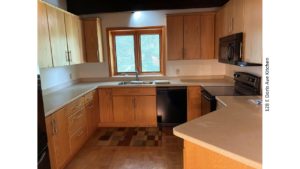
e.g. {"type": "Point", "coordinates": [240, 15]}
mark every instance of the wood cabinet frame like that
{"type": "Point", "coordinates": [136, 32]}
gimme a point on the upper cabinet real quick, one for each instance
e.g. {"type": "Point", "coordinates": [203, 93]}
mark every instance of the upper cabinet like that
{"type": "Point", "coordinates": [93, 39]}
{"type": "Point", "coordinates": [60, 38]}
{"type": "Point", "coordinates": [44, 48]}
{"type": "Point", "coordinates": [242, 16]}
{"type": "Point", "coordinates": [74, 39]}
{"type": "Point", "coordinates": [253, 31]}
{"type": "Point", "coordinates": [191, 36]}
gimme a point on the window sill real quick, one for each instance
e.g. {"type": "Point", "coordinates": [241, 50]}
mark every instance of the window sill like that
{"type": "Point", "coordinates": [133, 76]}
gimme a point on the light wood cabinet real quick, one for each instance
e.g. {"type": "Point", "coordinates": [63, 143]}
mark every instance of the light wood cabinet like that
{"type": "Point", "coordinates": [57, 36]}
{"type": "Point", "coordinates": [93, 39]}
{"type": "Point", "coordinates": [127, 107]}
{"type": "Point", "coordinates": [175, 37]}
{"type": "Point", "coordinates": [44, 48]}
{"type": "Point", "coordinates": [70, 127]}
{"type": "Point", "coordinates": [253, 31]}
{"type": "Point", "coordinates": [197, 157]}
{"type": "Point", "coordinates": [191, 36]}
{"type": "Point", "coordinates": [74, 38]}
{"type": "Point", "coordinates": [58, 139]}
{"type": "Point", "coordinates": [145, 110]}
{"type": "Point", "coordinates": [105, 105]}
{"type": "Point", "coordinates": [60, 41]}
{"type": "Point", "coordinates": [123, 107]}
{"type": "Point", "coordinates": [92, 111]}
{"type": "Point", "coordinates": [193, 102]}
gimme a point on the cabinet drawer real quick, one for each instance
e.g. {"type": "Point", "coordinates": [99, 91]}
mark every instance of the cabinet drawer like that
{"type": "Point", "coordinates": [77, 139]}
{"type": "Point", "coordinates": [88, 98]}
{"type": "Point", "coordinates": [134, 91]}
{"type": "Point", "coordinates": [75, 106]}
{"type": "Point", "coordinates": [76, 121]}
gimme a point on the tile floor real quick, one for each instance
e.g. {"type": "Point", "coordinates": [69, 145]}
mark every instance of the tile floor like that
{"type": "Point", "coordinates": [166, 156]}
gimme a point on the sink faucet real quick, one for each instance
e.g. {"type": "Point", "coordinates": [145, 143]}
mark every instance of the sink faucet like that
{"type": "Point", "coordinates": [136, 76]}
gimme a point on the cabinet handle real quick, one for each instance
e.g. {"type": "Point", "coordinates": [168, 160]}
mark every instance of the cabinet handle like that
{"type": "Point", "coordinates": [241, 48]}
{"type": "Point", "coordinates": [54, 128]}
{"type": "Point", "coordinates": [67, 56]}
{"type": "Point", "coordinates": [70, 56]}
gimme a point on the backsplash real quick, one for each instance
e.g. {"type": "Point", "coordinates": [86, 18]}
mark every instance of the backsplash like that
{"type": "Point", "coordinates": [58, 76]}
{"type": "Point", "coordinates": [230, 69]}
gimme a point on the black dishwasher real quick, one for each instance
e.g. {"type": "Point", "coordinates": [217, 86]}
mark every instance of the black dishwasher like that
{"type": "Point", "coordinates": [171, 105]}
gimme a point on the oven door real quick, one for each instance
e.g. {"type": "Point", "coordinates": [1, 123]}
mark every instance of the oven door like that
{"type": "Point", "coordinates": [208, 102]}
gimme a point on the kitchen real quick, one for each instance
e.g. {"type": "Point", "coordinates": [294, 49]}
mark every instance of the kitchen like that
{"type": "Point", "coordinates": [93, 98]}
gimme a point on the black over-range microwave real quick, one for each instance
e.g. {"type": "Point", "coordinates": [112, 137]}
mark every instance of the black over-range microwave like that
{"type": "Point", "coordinates": [231, 50]}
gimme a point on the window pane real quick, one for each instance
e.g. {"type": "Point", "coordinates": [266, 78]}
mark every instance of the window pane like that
{"type": "Point", "coordinates": [125, 53]}
{"type": "Point", "coordinates": [150, 51]}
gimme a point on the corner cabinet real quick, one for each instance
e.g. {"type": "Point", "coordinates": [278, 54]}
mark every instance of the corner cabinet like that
{"type": "Point", "coordinates": [127, 107]}
{"type": "Point", "coordinates": [190, 36]}
{"type": "Point", "coordinates": [60, 41]}
{"type": "Point", "coordinates": [70, 127]}
{"type": "Point", "coordinates": [93, 39]}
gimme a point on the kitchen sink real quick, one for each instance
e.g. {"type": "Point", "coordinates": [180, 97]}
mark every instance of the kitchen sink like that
{"type": "Point", "coordinates": [135, 82]}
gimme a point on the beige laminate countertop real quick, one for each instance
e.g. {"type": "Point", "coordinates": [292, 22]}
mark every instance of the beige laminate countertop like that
{"type": "Point", "coordinates": [234, 131]}
{"type": "Point", "coordinates": [58, 99]}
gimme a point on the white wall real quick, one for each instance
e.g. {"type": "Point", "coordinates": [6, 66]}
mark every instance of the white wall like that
{"type": "Point", "coordinates": [53, 77]}
{"type": "Point", "coordinates": [148, 18]}
{"type": "Point", "coordinates": [59, 3]}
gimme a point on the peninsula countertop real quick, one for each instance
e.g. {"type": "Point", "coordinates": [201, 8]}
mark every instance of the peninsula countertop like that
{"type": "Point", "coordinates": [56, 100]}
{"type": "Point", "coordinates": [234, 131]}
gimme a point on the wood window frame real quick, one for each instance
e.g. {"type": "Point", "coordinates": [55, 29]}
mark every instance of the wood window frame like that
{"type": "Point", "coordinates": [136, 32]}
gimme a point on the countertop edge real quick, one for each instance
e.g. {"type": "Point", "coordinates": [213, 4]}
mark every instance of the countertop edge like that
{"type": "Point", "coordinates": [219, 150]}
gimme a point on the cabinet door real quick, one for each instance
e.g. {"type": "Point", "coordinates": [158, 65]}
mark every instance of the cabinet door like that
{"type": "Point", "coordinates": [123, 107]}
{"type": "Point", "coordinates": [219, 27]}
{"type": "Point", "coordinates": [44, 47]}
{"type": "Point", "coordinates": [74, 38]}
{"type": "Point", "coordinates": [57, 36]}
{"type": "Point", "coordinates": [207, 36]}
{"type": "Point", "coordinates": [105, 105]}
{"type": "Point", "coordinates": [253, 31]}
{"type": "Point", "coordinates": [58, 139]}
{"type": "Point", "coordinates": [175, 37]}
{"type": "Point", "coordinates": [90, 108]}
{"type": "Point", "coordinates": [238, 16]}
{"type": "Point", "coordinates": [193, 102]}
{"type": "Point", "coordinates": [93, 39]}
{"type": "Point", "coordinates": [145, 110]}
{"type": "Point", "coordinates": [192, 36]}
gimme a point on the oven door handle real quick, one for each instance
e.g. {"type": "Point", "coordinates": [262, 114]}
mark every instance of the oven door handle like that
{"type": "Point", "coordinates": [207, 97]}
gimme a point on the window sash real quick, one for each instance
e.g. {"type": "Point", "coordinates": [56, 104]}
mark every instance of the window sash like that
{"type": "Point", "coordinates": [137, 49]}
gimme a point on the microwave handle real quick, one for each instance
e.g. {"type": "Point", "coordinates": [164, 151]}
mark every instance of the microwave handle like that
{"type": "Point", "coordinates": [229, 53]}
{"type": "Point", "coordinates": [241, 48]}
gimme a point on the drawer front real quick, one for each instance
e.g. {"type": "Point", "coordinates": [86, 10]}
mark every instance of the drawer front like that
{"type": "Point", "coordinates": [75, 106]}
{"type": "Point", "coordinates": [76, 121]}
{"type": "Point", "coordinates": [77, 139]}
{"type": "Point", "coordinates": [134, 91]}
{"type": "Point", "coordinates": [88, 98]}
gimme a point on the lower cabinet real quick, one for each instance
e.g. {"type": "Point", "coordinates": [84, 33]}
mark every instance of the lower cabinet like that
{"type": "Point", "coordinates": [197, 157]}
{"type": "Point", "coordinates": [58, 139]}
{"type": "Point", "coordinates": [70, 127]}
{"type": "Point", "coordinates": [193, 102]}
{"type": "Point", "coordinates": [127, 107]}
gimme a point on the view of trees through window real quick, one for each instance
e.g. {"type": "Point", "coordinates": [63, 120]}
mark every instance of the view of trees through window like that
{"type": "Point", "coordinates": [137, 51]}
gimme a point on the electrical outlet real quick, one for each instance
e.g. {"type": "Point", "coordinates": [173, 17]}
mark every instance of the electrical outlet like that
{"type": "Point", "coordinates": [177, 71]}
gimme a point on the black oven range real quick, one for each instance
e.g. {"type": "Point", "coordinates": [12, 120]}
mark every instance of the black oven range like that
{"type": "Point", "coordinates": [245, 84]}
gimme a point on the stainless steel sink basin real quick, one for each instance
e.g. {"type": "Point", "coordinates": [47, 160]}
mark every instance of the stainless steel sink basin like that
{"type": "Point", "coordinates": [135, 82]}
